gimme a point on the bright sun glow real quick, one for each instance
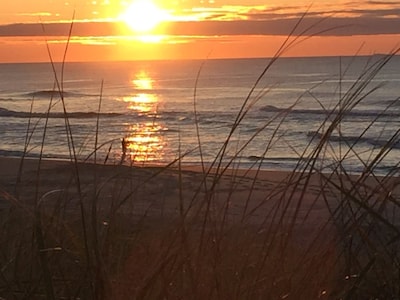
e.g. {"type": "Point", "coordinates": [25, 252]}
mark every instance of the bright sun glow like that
{"type": "Point", "coordinates": [143, 16]}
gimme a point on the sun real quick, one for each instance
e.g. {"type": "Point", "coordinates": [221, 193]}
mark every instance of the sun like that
{"type": "Point", "coordinates": [143, 15]}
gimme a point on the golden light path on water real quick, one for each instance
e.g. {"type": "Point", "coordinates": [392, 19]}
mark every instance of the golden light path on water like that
{"type": "Point", "coordinates": [143, 140]}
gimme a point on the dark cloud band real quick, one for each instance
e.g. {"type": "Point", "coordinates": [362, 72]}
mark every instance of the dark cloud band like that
{"type": "Point", "coordinates": [331, 26]}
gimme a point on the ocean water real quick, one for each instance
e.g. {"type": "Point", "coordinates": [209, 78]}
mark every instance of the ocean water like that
{"type": "Point", "coordinates": [162, 109]}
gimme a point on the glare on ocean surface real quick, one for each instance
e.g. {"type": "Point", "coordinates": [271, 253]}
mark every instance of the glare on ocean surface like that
{"type": "Point", "coordinates": [144, 142]}
{"type": "Point", "coordinates": [142, 81]}
{"type": "Point", "coordinates": [142, 103]}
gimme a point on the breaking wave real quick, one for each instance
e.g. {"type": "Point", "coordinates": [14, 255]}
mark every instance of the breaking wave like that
{"type": "Point", "coordinates": [57, 115]}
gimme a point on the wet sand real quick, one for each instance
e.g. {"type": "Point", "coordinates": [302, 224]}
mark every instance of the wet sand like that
{"type": "Point", "coordinates": [237, 195]}
{"type": "Point", "coordinates": [296, 201]}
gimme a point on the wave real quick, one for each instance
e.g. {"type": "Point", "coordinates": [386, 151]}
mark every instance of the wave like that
{"type": "Point", "coordinates": [275, 159]}
{"type": "Point", "coordinates": [357, 139]}
{"type": "Point", "coordinates": [15, 153]}
{"type": "Point", "coordinates": [28, 154]}
{"type": "Point", "coordinates": [180, 117]}
{"type": "Point", "coordinates": [392, 103]}
{"type": "Point", "coordinates": [54, 93]}
{"type": "Point", "coordinates": [357, 113]}
{"type": "Point", "coordinates": [271, 108]}
{"type": "Point", "coordinates": [54, 115]}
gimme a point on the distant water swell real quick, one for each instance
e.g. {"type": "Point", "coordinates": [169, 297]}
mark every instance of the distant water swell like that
{"type": "Point", "coordinates": [293, 163]}
{"type": "Point", "coordinates": [45, 95]}
{"type": "Point", "coordinates": [53, 93]}
{"type": "Point", "coordinates": [166, 116]}
{"type": "Point", "coordinates": [28, 154]}
{"type": "Point", "coordinates": [320, 112]}
{"type": "Point", "coordinates": [204, 117]}
{"type": "Point", "coordinates": [174, 116]}
{"type": "Point", "coordinates": [380, 143]}
{"type": "Point", "coordinates": [56, 115]}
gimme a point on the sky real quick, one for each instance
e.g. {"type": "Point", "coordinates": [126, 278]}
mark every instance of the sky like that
{"type": "Point", "coordinates": [99, 30]}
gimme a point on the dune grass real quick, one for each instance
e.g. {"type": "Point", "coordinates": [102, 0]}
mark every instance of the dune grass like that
{"type": "Point", "coordinates": [75, 230]}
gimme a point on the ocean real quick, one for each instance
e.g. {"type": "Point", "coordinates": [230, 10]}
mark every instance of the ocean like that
{"type": "Point", "coordinates": [169, 110]}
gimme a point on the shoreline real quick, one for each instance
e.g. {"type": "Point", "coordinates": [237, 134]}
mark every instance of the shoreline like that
{"type": "Point", "coordinates": [234, 184]}
{"type": "Point", "coordinates": [9, 166]}
{"type": "Point", "coordinates": [250, 193]}
{"type": "Point", "coordinates": [242, 167]}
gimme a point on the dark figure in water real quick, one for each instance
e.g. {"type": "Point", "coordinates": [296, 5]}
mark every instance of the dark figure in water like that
{"type": "Point", "coordinates": [124, 146]}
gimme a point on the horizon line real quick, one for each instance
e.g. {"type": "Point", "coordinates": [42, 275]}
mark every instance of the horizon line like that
{"type": "Point", "coordinates": [202, 59]}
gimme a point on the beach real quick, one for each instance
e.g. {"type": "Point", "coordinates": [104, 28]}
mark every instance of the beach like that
{"type": "Point", "coordinates": [159, 190]}
{"type": "Point", "coordinates": [200, 188]}
{"type": "Point", "coordinates": [157, 229]}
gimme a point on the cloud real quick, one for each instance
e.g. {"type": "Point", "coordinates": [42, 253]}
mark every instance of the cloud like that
{"type": "Point", "coordinates": [350, 10]}
{"type": "Point", "coordinates": [350, 19]}
{"type": "Point", "coordinates": [308, 26]}
{"type": "Point", "coordinates": [60, 29]}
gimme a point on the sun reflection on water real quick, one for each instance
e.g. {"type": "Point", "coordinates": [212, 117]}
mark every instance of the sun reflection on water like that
{"type": "Point", "coordinates": [142, 103]}
{"type": "Point", "coordinates": [143, 140]}
{"type": "Point", "coordinates": [143, 81]}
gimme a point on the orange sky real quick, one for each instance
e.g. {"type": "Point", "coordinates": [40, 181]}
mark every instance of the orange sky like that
{"type": "Point", "coordinates": [194, 29]}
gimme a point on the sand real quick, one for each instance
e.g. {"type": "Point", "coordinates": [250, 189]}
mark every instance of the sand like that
{"type": "Point", "coordinates": [280, 233]}
{"type": "Point", "coordinates": [242, 195]}
{"type": "Point", "coordinates": [246, 196]}
{"type": "Point", "coordinates": [239, 196]}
